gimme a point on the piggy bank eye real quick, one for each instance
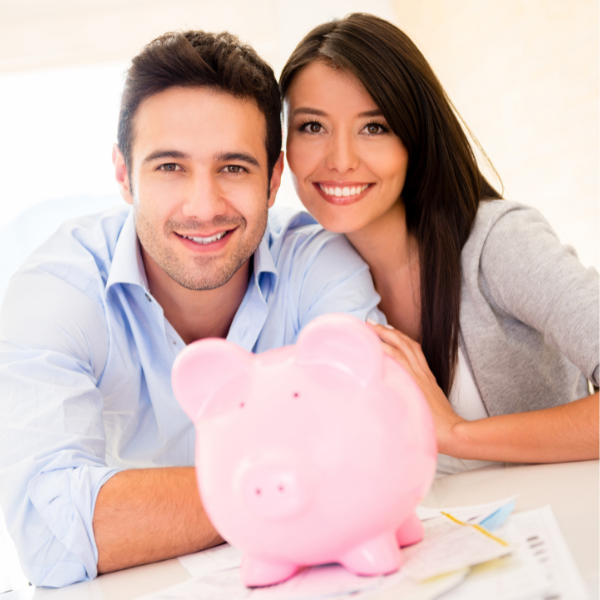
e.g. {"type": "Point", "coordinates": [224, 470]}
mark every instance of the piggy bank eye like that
{"type": "Point", "coordinates": [296, 395]}
{"type": "Point", "coordinates": [229, 398]}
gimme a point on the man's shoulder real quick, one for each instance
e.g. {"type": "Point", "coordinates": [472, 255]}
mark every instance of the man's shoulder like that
{"type": "Point", "coordinates": [286, 220]}
{"type": "Point", "coordinates": [295, 232]}
{"type": "Point", "coordinates": [56, 299]}
{"type": "Point", "coordinates": [80, 250]}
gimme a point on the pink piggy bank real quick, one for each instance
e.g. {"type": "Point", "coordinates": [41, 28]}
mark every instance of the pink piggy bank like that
{"type": "Point", "coordinates": [309, 454]}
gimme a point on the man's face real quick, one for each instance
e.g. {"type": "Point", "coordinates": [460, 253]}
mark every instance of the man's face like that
{"type": "Point", "coordinates": [200, 184]}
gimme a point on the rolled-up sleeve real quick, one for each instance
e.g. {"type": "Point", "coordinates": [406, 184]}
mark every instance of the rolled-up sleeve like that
{"type": "Point", "coordinates": [53, 348]}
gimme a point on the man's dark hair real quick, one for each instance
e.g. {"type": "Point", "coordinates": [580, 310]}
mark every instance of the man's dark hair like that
{"type": "Point", "coordinates": [217, 61]}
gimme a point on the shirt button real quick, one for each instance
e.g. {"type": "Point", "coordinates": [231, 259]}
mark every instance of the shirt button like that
{"type": "Point", "coordinates": [148, 298]}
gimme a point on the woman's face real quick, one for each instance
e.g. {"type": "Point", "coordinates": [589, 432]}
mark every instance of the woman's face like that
{"type": "Point", "coordinates": [347, 165]}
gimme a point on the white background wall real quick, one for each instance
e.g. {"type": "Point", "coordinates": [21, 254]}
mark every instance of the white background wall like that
{"type": "Point", "coordinates": [523, 74]}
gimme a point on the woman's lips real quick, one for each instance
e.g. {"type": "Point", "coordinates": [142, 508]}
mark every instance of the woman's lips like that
{"type": "Point", "coordinates": [342, 194]}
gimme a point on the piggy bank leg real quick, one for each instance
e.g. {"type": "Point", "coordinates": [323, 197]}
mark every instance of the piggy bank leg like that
{"type": "Point", "coordinates": [377, 556]}
{"type": "Point", "coordinates": [410, 532]}
{"type": "Point", "coordinates": [257, 572]}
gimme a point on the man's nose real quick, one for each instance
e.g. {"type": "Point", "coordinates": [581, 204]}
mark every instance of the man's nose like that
{"type": "Point", "coordinates": [342, 155]}
{"type": "Point", "coordinates": [203, 198]}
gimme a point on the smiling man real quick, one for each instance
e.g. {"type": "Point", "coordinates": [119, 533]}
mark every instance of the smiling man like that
{"type": "Point", "coordinates": [96, 456]}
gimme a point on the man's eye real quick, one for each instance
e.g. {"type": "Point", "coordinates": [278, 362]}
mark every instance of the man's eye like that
{"type": "Point", "coordinates": [235, 169]}
{"type": "Point", "coordinates": [168, 167]}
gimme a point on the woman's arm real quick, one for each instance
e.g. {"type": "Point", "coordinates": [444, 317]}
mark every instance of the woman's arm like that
{"type": "Point", "coordinates": [562, 433]}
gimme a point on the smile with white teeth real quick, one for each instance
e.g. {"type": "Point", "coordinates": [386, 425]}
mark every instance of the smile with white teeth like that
{"type": "Point", "coordinates": [343, 192]}
{"type": "Point", "coordinates": [205, 240]}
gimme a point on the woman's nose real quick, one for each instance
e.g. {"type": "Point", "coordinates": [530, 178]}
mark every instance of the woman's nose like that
{"type": "Point", "coordinates": [342, 155]}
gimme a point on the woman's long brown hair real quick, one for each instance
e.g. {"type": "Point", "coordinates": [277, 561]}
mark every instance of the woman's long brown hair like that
{"type": "Point", "coordinates": [443, 185]}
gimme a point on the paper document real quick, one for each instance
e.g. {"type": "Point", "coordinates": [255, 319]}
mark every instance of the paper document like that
{"type": "Point", "coordinates": [225, 556]}
{"type": "Point", "coordinates": [223, 585]}
{"type": "Point", "coordinates": [450, 546]}
{"type": "Point", "coordinates": [316, 582]}
{"type": "Point", "coordinates": [524, 559]}
{"type": "Point", "coordinates": [549, 549]}
{"type": "Point", "coordinates": [399, 586]}
{"type": "Point", "coordinates": [467, 514]}
{"type": "Point", "coordinates": [212, 560]}
{"type": "Point", "coordinates": [516, 576]}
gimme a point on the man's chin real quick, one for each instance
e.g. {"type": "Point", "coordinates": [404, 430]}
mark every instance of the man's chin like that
{"type": "Point", "coordinates": [209, 279]}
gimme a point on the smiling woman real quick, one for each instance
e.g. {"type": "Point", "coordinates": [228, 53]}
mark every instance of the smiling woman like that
{"type": "Point", "coordinates": [490, 314]}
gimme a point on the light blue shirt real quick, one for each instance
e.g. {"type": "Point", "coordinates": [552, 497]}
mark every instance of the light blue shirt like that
{"type": "Point", "coordinates": [85, 363]}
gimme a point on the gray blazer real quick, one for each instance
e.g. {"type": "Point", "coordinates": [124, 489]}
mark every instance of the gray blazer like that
{"type": "Point", "coordinates": [529, 312]}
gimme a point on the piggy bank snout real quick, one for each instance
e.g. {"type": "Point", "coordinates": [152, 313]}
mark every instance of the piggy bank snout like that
{"type": "Point", "coordinates": [273, 490]}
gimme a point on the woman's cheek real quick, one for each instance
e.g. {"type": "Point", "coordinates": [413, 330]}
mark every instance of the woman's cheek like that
{"type": "Point", "coordinates": [298, 156]}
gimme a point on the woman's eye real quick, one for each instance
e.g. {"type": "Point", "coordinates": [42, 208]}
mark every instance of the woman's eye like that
{"type": "Point", "coordinates": [312, 127]}
{"type": "Point", "coordinates": [375, 128]}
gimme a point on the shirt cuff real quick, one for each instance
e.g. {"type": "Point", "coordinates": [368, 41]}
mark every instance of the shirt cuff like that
{"type": "Point", "coordinates": [65, 499]}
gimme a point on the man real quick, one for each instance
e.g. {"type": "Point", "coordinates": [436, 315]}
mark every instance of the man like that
{"type": "Point", "coordinates": [95, 453]}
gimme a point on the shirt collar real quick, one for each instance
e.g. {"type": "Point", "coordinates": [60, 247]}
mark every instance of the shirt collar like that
{"type": "Point", "coordinates": [127, 265]}
{"type": "Point", "coordinates": [263, 259]}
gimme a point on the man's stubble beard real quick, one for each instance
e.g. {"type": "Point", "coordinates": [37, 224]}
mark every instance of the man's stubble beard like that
{"type": "Point", "coordinates": [207, 273]}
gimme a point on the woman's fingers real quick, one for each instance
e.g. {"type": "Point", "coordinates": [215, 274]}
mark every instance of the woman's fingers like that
{"type": "Point", "coordinates": [409, 355]}
{"type": "Point", "coordinates": [398, 356]}
{"type": "Point", "coordinates": [411, 349]}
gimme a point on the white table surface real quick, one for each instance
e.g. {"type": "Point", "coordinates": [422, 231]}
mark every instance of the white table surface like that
{"type": "Point", "coordinates": [571, 489]}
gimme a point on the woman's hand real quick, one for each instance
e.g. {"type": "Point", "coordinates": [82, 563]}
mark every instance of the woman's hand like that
{"type": "Point", "coordinates": [410, 355]}
{"type": "Point", "coordinates": [562, 433]}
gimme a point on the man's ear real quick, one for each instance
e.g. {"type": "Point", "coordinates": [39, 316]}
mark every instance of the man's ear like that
{"type": "Point", "coordinates": [275, 179]}
{"type": "Point", "coordinates": [121, 174]}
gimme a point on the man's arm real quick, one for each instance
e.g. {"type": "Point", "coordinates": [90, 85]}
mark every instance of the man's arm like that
{"type": "Point", "coordinates": [146, 515]}
{"type": "Point", "coordinates": [53, 348]}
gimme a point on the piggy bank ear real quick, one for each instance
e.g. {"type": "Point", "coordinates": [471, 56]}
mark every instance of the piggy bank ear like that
{"type": "Point", "coordinates": [341, 342]}
{"type": "Point", "coordinates": [208, 375]}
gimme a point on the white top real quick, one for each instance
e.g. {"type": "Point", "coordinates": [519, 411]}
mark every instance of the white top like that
{"type": "Point", "coordinates": [467, 403]}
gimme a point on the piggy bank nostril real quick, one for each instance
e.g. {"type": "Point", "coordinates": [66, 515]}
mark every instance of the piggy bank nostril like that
{"type": "Point", "coordinates": [273, 491]}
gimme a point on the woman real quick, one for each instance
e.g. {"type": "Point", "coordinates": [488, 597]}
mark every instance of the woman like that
{"type": "Point", "coordinates": [489, 313]}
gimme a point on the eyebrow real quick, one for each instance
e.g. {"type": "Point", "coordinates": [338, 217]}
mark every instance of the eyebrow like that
{"type": "Point", "coordinates": [222, 156]}
{"type": "Point", "coordinates": [376, 112]}
{"type": "Point", "coordinates": [165, 154]}
{"type": "Point", "coordinates": [241, 156]}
